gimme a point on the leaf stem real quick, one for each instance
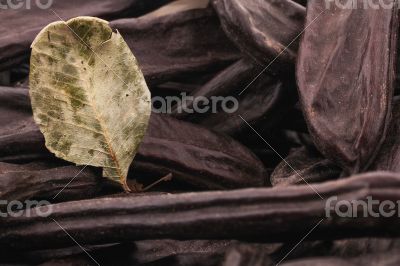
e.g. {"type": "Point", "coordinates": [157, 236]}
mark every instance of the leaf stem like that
{"type": "Point", "coordinates": [165, 178]}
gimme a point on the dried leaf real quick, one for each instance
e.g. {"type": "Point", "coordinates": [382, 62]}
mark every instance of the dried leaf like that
{"type": "Point", "coordinates": [88, 95]}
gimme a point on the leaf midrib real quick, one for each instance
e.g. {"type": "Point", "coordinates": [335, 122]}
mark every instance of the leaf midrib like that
{"type": "Point", "coordinates": [97, 115]}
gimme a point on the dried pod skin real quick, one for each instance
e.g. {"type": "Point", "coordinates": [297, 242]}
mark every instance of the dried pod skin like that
{"type": "Point", "coordinates": [346, 73]}
{"type": "Point", "coordinates": [263, 29]}
{"type": "Point", "coordinates": [309, 165]}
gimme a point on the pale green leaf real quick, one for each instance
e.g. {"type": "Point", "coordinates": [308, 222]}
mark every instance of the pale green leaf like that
{"type": "Point", "coordinates": [88, 95]}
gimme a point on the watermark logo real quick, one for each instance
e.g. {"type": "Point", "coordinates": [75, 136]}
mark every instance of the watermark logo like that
{"type": "Point", "coordinates": [194, 104]}
{"type": "Point", "coordinates": [26, 208]}
{"type": "Point", "coordinates": [25, 4]}
{"type": "Point", "coordinates": [362, 4]}
{"type": "Point", "coordinates": [361, 208]}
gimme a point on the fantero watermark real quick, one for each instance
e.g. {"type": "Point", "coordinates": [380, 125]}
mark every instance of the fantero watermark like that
{"type": "Point", "coordinates": [25, 4]}
{"type": "Point", "coordinates": [361, 208]}
{"type": "Point", "coordinates": [26, 208]}
{"type": "Point", "coordinates": [195, 104]}
{"type": "Point", "coordinates": [362, 4]}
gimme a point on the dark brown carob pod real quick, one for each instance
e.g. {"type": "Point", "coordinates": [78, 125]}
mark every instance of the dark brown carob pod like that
{"type": "Point", "coordinates": [263, 105]}
{"type": "Point", "coordinates": [19, 26]}
{"type": "Point", "coordinates": [382, 259]}
{"type": "Point", "coordinates": [263, 29]}
{"type": "Point", "coordinates": [176, 44]}
{"type": "Point", "coordinates": [257, 214]}
{"type": "Point", "coordinates": [161, 252]}
{"type": "Point", "coordinates": [198, 156]}
{"type": "Point", "coordinates": [346, 73]}
{"type": "Point", "coordinates": [304, 166]}
{"type": "Point", "coordinates": [230, 80]}
{"type": "Point", "coordinates": [39, 180]}
{"type": "Point", "coordinates": [243, 255]}
{"type": "Point", "coordinates": [388, 158]}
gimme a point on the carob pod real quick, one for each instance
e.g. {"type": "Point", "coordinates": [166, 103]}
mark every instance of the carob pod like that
{"type": "Point", "coordinates": [363, 246]}
{"type": "Point", "coordinates": [41, 256]}
{"type": "Point", "coordinates": [133, 253]}
{"type": "Point", "coordinates": [263, 29]}
{"type": "Point", "coordinates": [344, 248]}
{"type": "Point", "coordinates": [301, 2]}
{"type": "Point", "coordinates": [244, 255]}
{"type": "Point", "coordinates": [113, 259]}
{"type": "Point", "coordinates": [20, 138]}
{"type": "Point", "coordinates": [179, 6]}
{"type": "Point", "coordinates": [232, 78]}
{"type": "Point", "coordinates": [346, 73]}
{"type": "Point", "coordinates": [261, 214]}
{"type": "Point", "coordinates": [382, 259]}
{"type": "Point", "coordinates": [167, 249]}
{"type": "Point", "coordinates": [19, 26]}
{"type": "Point", "coordinates": [198, 156]}
{"type": "Point", "coordinates": [42, 181]}
{"type": "Point", "coordinates": [176, 44]}
{"type": "Point", "coordinates": [304, 166]}
{"type": "Point", "coordinates": [388, 158]}
{"type": "Point", "coordinates": [276, 139]}
{"type": "Point", "coordinates": [230, 252]}
{"type": "Point", "coordinates": [191, 153]}
{"type": "Point", "coordinates": [263, 105]}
